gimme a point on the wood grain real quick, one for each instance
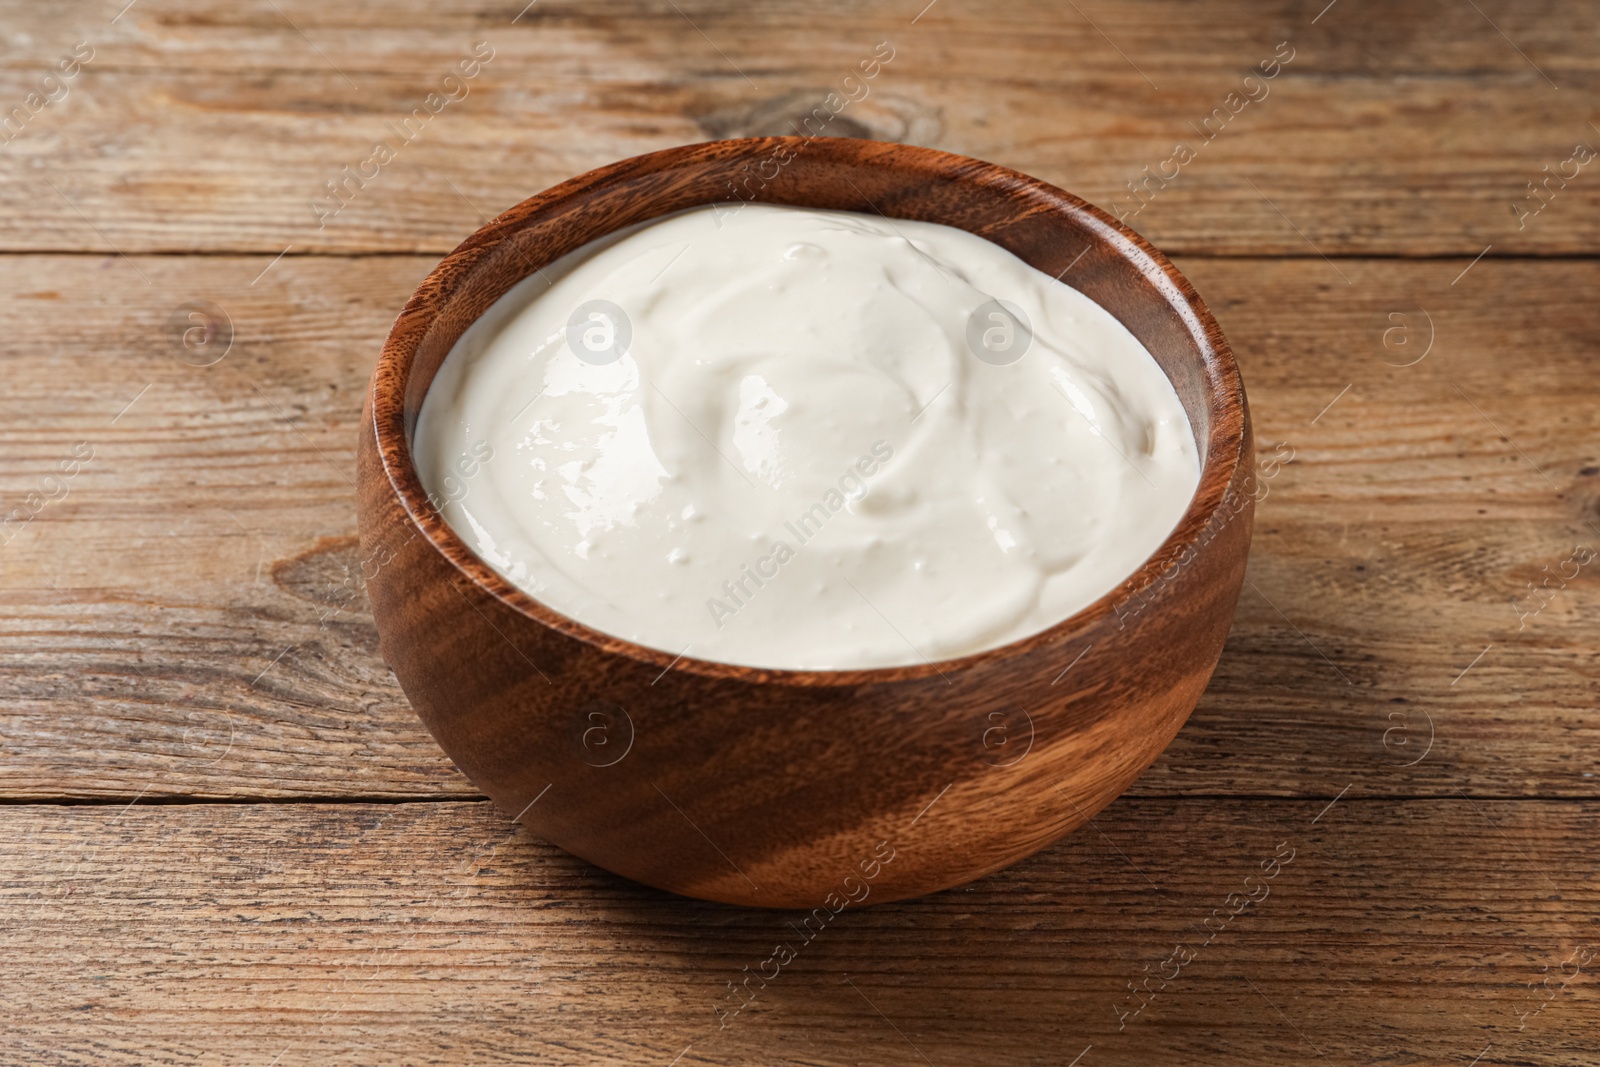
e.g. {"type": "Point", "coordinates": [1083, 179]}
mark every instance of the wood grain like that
{"type": "Point", "coordinates": [1408, 127]}
{"type": "Point", "coordinates": [798, 778]}
{"type": "Point", "coordinates": [146, 612]}
{"type": "Point", "coordinates": [422, 933]}
{"type": "Point", "coordinates": [142, 617]}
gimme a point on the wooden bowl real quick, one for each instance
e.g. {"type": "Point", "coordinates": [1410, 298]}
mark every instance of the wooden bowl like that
{"type": "Point", "coordinates": [784, 788]}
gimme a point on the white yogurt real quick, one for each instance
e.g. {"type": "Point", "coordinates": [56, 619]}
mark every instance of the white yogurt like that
{"type": "Point", "coordinates": [805, 439]}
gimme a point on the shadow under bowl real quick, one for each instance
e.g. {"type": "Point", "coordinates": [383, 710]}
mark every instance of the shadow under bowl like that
{"type": "Point", "coordinates": [784, 788]}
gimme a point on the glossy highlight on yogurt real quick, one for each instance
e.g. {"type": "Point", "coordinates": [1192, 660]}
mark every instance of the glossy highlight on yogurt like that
{"type": "Point", "coordinates": [803, 439]}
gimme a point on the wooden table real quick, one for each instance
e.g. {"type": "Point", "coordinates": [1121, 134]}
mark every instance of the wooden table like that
{"type": "Point", "coordinates": [228, 840]}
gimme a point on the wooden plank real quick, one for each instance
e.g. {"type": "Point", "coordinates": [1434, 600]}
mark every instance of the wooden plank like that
{"type": "Point", "coordinates": [186, 621]}
{"type": "Point", "coordinates": [215, 521]}
{"type": "Point", "coordinates": [1401, 544]}
{"type": "Point", "coordinates": [1404, 127]}
{"type": "Point", "coordinates": [435, 932]}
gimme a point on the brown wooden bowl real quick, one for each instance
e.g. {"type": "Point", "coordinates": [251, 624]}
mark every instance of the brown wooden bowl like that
{"type": "Point", "coordinates": [784, 788]}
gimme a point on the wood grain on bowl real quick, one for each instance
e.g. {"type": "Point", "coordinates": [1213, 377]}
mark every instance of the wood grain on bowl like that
{"type": "Point", "coordinates": [792, 788]}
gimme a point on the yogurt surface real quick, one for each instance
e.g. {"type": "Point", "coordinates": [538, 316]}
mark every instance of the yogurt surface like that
{"type": "Point", "coordinates": [803, 439]}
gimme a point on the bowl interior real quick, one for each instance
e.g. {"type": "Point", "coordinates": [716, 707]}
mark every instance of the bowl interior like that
{"type": "Point", "coordinates": [1050, 229]}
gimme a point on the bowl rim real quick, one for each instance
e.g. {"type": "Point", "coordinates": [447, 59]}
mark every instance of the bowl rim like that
{"type": "Point", "coordinates": [1224, 393]}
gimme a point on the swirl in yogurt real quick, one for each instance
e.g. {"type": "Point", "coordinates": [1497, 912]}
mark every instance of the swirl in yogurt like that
{"type": "Point", "coordinates": [805, 439]}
